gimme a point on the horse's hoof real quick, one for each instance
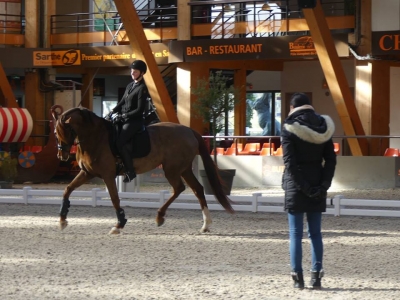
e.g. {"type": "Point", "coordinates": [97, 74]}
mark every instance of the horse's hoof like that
{"type": "Point", "coordinates": [160, 221]}
{"type": "Point", "coordinates": [204, 230]}
{"type": "Point", "coordinates": [63, 224]}
{"type": "Point", "coordinates": [114, 230]}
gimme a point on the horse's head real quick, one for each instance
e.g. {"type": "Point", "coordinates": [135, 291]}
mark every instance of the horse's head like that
{"type": "Point", "coordinates": [64, 131]}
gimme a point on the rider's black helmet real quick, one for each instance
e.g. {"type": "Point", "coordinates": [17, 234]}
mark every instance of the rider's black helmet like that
{"type": "Point", "coordinates": [139, 65]}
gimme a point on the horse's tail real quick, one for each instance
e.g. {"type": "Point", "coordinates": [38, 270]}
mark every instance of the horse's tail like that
{"type": "Point", "coordinates": [212, 175]}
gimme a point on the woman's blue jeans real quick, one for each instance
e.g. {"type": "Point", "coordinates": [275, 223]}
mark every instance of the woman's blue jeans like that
{"type": "Point", "coordinates": [314, 220]}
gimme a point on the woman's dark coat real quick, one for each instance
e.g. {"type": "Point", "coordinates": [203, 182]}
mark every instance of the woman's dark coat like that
{"type": "Point", "coordinates": [309, 159]}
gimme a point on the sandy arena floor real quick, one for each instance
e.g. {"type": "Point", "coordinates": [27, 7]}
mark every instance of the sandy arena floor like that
{"type": "Point", "coordinates": [244, 257]}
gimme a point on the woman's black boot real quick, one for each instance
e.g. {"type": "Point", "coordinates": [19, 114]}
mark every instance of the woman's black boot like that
{"type": "Point", "coordinates": [315, 282]}
{"type": "Point", "coordinates": [298, 280]}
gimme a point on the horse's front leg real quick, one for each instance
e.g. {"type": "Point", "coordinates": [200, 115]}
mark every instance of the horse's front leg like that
{"type": "Point", "coordinates": [112, 190]}
{"type": "Point", "coordinates": [79, 179]}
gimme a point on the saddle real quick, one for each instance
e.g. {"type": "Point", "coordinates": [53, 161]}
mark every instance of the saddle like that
{"type": "Point", "coordinates": [139, 145]}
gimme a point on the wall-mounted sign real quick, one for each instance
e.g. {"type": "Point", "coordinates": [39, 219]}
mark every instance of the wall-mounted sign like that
{"type": "Point", "coordinates": [108, 56]}
{"type": "Point", "coordinates": [56, 58]}
{"type": "Point", "coordinates": [385, 42]}
{"type": "Point", "coordinates": [285, 47]}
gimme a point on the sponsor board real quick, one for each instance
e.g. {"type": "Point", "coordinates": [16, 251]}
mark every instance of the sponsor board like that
{"type": "Point", "coordinates": [57, 58]}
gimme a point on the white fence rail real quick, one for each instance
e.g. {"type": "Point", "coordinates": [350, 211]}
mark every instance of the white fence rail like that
{"type": "Point", "coordinates": [257, 202]}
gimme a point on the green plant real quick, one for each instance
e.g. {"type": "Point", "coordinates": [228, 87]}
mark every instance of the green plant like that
{"type": "Point", "coordinates": [8, 168]}
{"type": "Point", "coordinates": [215, 99]}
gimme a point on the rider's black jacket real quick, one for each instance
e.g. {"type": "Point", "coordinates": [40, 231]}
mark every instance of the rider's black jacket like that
{"type": "Point", "coordinates": [134, 101]}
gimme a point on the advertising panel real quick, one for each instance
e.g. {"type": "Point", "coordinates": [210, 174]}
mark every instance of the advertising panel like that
{"type": "Point", "coordinates": [285, 47]}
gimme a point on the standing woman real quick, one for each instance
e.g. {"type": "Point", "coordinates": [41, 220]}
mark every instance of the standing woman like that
{"type": "Point", "coordinates": [131, 107]}
{"type": "Point", "coordinates": [310, 162]}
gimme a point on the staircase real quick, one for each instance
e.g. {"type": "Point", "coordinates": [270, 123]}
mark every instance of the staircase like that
{"type": "Point", "coordinates": [157, 13]}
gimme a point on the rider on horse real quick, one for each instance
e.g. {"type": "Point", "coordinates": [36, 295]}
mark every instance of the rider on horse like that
{"type": "Point", "coordinates": [131, 108]}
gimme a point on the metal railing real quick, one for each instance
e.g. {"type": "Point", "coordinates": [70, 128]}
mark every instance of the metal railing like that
{"type": "Point", "coordinates": [12, 23]}
{"type": "Point", "coordinates": [226, 19]}
{"type": "Point", "coordinates": [254, 18]}
{"type": "Point", "coordinates": [382, 142]}
{"type": "Point", "coordinates": [110, 20]}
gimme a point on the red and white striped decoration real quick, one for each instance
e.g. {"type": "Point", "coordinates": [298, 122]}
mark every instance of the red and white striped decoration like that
{"type": "Point", "coordinates": [15, 125]}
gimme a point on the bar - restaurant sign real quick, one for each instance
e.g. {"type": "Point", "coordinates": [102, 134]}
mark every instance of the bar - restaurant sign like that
{"type": "Point", "coordinates": [385, 42]}
{"type": "Point", "coordinates": [250, 48]}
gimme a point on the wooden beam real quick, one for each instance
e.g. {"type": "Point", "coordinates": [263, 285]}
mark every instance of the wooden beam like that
{"type": "Point", "coordinates": [87, 88]}
{"type": "Point", "coordinates": [364, 29]}
{"type": "Point", "coordinates": [141, 48]}
{"type": "Point", "coordinates": [12, 39]}
{"type": "Point", "coordinates": [167, 33]}
{"type": "Point", "coordinates": [336, 78]}
{"type": "Point", "coordinates": [5, 87]}
{"type": "Point", "coordinates": [183, 20]}
{"type": "Point", "coordinates": [198, 71]}
{"type": "Point", "coordinates": [240, 108]}
{"type": "Point", "coordinates": [31, 24]}
{"type": "Point", "coordinates": [35, 104]}
{"type": "Point", "coordinates": [380, 110]}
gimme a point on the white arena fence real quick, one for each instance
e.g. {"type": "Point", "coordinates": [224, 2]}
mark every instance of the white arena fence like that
{"type": "Point", "coordinates": [256, 202]}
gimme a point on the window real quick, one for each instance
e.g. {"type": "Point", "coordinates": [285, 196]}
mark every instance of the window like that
{"type": "Point", "coordinates": [263, 113]}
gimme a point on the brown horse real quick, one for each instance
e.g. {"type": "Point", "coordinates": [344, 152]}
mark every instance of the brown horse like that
{"type": "Point", "coordinates": [172, 145]}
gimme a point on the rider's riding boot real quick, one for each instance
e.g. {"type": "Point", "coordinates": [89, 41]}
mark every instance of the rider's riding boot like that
{"type": "Point", "coordinates": [128, 164]}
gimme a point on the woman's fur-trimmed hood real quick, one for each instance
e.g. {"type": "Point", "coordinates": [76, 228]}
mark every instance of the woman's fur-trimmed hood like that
{"type": "Point", "coordinates": [309, 132]}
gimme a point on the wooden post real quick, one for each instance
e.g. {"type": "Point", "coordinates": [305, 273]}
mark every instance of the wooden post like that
{"type": "Point", "coordinates": [336, 78]}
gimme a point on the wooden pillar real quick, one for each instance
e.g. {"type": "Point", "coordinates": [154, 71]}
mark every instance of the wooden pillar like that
{"type": "Point", "coordinates": [372, 86]}
{"type": "Point", "coordinates": [183, 20]}
{"type": "Point", "coordinates": [363, 94]}
{"type": "Point", "coordinates": [187, 76]}
{"type": "Point", "coordinates": [240, 108]}
{"type": "Point", "coordinates": [87, 88]}
{"type": "Point", "coordinates": [32, 24]}
{"type": "Point", "coordinates": [34, 103]}
{"type": "Point", "coordinates": [364, 29]}
{"type": "Point", "coordinates": [34, 99]}
{"type": "Point", "coordinates": [336, 78]}
{"type": "Point", "coordinates": [380, 105]}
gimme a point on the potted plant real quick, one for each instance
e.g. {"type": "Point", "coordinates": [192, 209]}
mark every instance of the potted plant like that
{"type": "Point", "coordinates": [8, 171]}
{"type": "Point", "coordinates": [215, 99]}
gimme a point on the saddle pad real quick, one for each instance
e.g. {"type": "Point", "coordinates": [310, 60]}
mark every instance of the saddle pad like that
{"type": "Point", "coordinates": [141, 144]}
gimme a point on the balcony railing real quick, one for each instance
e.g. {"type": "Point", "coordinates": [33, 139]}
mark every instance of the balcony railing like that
{"type": "Point", "coordinates": [209, 19]}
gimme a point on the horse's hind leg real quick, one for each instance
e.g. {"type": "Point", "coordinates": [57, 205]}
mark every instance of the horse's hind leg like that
{"type": "Point", "coordinates": [178, 186]}
{"type": "Point", "coordinates": [79, 179]}
{"type": "Point", "coordinates": [198, 190]}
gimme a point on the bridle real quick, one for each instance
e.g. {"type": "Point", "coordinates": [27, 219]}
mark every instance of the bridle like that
{"type": "Point", "coordinates": [72, 133]}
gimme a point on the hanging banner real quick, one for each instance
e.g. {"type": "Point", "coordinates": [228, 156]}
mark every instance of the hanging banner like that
{"type": "Point", "coordinates": [15, 125]}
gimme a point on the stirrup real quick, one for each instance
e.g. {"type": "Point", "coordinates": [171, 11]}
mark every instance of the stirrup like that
{"type": "Point", "coordinates": [129, 176]}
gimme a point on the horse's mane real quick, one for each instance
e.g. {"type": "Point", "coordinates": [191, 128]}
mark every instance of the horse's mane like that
{"type": "Point", "coordinates": [88, 115]}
